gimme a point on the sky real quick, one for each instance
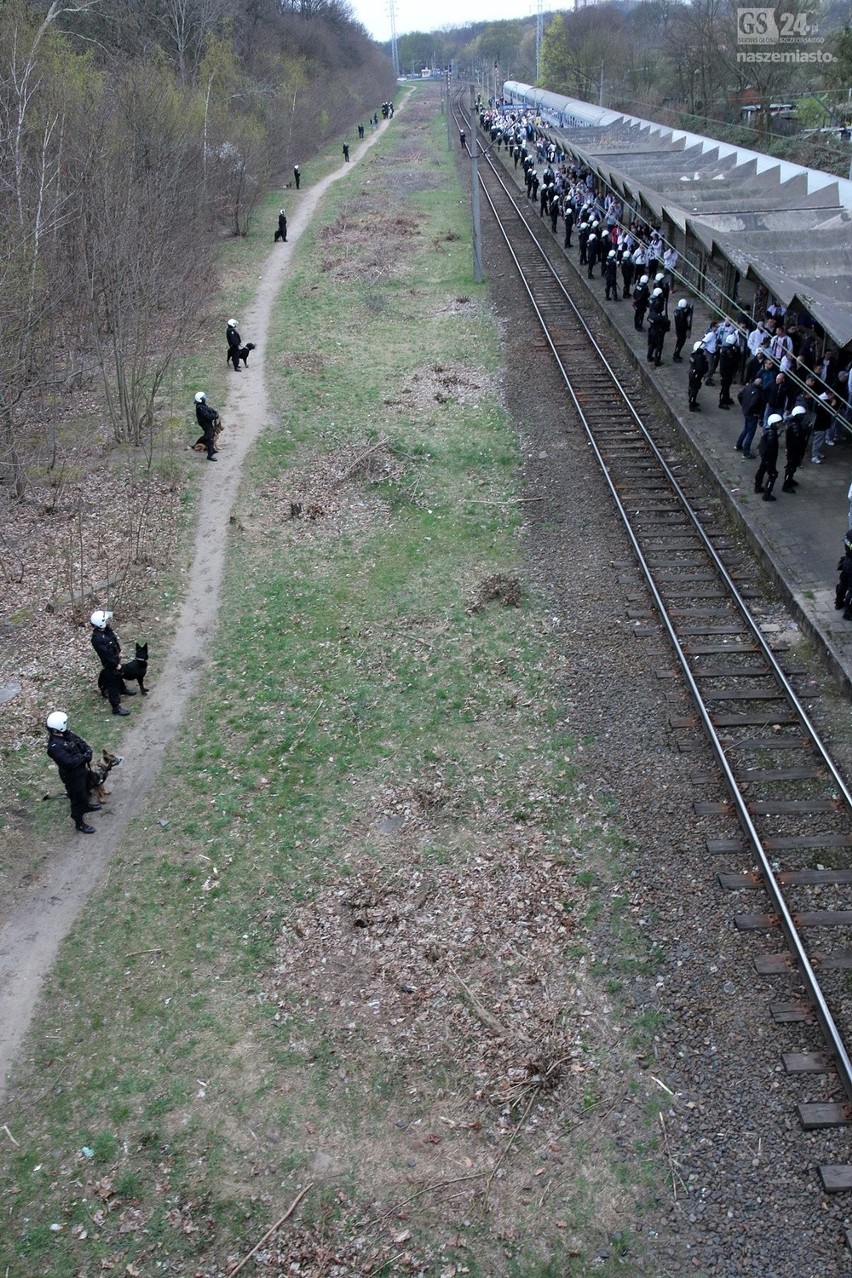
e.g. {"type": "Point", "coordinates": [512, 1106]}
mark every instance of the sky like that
{"type": "Point", "coordinates": [412, 15]}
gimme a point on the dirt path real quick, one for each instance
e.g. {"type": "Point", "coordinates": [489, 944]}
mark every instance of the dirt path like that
{"type": "Point", "coordinates": [30, 939]}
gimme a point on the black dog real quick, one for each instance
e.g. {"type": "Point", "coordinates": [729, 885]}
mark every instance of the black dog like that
{"type": "Point", "coordinates": [135, 669]}
{"type": "Point", "coordinates": [239, 353]}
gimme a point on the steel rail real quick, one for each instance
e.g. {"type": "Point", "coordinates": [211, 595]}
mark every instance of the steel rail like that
{"type": "Point", "coordinates": [829, 1028]}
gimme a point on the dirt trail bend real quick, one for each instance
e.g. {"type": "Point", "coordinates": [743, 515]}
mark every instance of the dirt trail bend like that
{"type": "Point", "coordinates": [30, 937]}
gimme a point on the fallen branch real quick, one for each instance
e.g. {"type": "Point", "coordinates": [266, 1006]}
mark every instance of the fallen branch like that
{"type": "Point", "coordinates": [11, 1137]}
{"type": "Point", "coordinates": [673, 1172]}
{"type": "Point", "coordinates": [350, 470]}
{"type": "Point", "coordinates": [438, 1184]}
{"type": "Point", "coordinates": [515, 1134]}
{"type": "Point", "coordinates": [482, 1012]}
{"type": "Point", "coordinates": [482, 501]}
{"type": "Point", "coordinates": [279, 1222]}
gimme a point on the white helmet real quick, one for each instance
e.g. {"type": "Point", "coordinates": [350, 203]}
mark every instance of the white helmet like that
{"type": "Point", "coordinates": [100, 619]}
{"type": "Point", "coordinates": [698, 346]}
{"type": "Point", "coordinates": [643, 279]}
{"type": "Point", "coordinates": [658, 292]}
{"type": "Point", "coordinates": [200, 397]}
{"type": "Point", "coordinates": [774, 419]}
{"type": "Point", "coordinates": [232, 323]}
{"type": "Point", "coordinates": [731, 339]}
{"type": "Point", "coordinates": [57, 721]}
{"type": "Point", "coordinates": [281, 211]}
{"type": "Point", "coordinates": [798, 410]}
{"type": "Point", "coordinates": [659, 278]}
{"type": "Point", "coordinates": [682, 304]}
{"type": "Point", "coordinates": [611, 253]}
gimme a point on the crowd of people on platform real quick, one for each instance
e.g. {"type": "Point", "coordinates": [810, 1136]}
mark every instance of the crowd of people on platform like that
{"type": "Point", "coordinates": [793, 386]}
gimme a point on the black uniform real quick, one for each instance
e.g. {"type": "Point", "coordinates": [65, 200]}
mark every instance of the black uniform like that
{"type": "Point", "coordinates": [297, 175]}
{"type": "Point", "coordinates": [582, 242]}
{"type": "Point", "coordinates": [592, 254]}
{"type": "Point", "coordinates": [698, 365]}
{"type": "Point", "coordinates": [234, 344]}
{"type": "Point", "coordinates": [281, 233]}
{"type": "Point", "coordinates": [611, 277]}
{"type": "Point", "coordinates": [843, 594]}
{"type": "Point", "coordinates": [568, 214]}
{"type": "Point", "coordinates": [641, 297]}
{"type": "Point", "coordinates": [207, 417]}
{"type": "Point", "coordinates": [729, 362]}
{"type": "Point", "coordinates": [683, 327]}
{"type": "Point", "coordinates": [106, 644]}
{"type": "Point", "coordinates": [796, 438]}
{"type": "Point", "coordinates": [626, 274]}
{"type": "Point", "coordinates": [768, 468]}
{"type": "Point", "coordinates": [72, 756]}
{"type": "Point", "coordinates": [658, 325]}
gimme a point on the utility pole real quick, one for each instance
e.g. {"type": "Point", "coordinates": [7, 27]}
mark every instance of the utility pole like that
{"type": "Point", "coordinates": [394, 51]}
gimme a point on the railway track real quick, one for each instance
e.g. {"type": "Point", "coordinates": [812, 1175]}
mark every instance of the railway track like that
{"type": "Point", "coordinates": [786, 808]}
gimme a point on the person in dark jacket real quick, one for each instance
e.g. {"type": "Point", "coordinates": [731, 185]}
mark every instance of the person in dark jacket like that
{"type": "Point", "coordinates": [592, 251]}
{"type": "Point", "coordinates": [658, 325]}
{"type": "Point", "coordinates": [683, 327]}
{"type": "Point", "coordinates": [281, 233]}
{"type": "Point", "coordinates": [796, 436]}
{"type": "Point", "coordinates": [843, 593]}
{"type": "Point", "coordinates": [610, 271]}
{"type": "Point", "coordinates": [297, 175]}
{"type": "Point", "coordinates": [698, 365]}
{"type": "Point", "coordinates": [626, 273]}
{"type": "Point", "coordinates": [751, 402]}
{"type": "Point", "coordinates": [641, 298]}
{"type": "Point", "coordinates": [72, 756]}
{"type": "Point", "coordinates": [208, 420]}
{"type": "Point", "coordinates": [234, 343]}
{"type": "Point", "coordinates": [729, 362]}
{"type": "Point", "coordinates": [568, 214]}
{"type": "Point", "coordinates": [768, 449]}
{"type": "Point", "coordinates": [108, 647]}
{"type": "Point", "coordinates": [583, 242]}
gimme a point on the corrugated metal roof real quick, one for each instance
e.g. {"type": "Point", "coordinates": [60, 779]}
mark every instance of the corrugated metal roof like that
{"type": "Point", "coordinates": [788, 226]}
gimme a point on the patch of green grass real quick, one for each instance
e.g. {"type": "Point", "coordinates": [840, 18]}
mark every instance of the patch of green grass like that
{"type": "Point", "coordinates": [350, 665]}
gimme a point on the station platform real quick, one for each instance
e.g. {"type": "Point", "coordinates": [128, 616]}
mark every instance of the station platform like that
{"type": "Point", "coordinates": [799, 537]}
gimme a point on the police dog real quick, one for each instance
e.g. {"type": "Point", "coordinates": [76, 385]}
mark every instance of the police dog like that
{"type": "Point", "coordinates": [241, 353]}
{"type": "Point", "coordinates": [97, 775]}
{"type": "Point", "coordinates": [135, 669]}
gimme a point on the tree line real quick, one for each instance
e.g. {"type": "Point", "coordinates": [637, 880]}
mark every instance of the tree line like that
{"type": "Point", "coordinates": [134, 134]}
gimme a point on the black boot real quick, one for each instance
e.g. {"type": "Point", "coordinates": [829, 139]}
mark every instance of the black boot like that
{"type": "Point", "coordinates": [120, 710]}
{"type": "Point", "coordinates": [85, 829]}
{"type": "Point", "coordinates": [93, 807]}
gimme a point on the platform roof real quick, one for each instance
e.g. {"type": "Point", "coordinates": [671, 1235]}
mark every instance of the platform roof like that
{"type": "Point", "coordinates": [787, 226]}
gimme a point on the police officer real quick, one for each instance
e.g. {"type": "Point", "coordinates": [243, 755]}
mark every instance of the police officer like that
{"type": "Point", "coordinates": [72, 756]}
{"type": "Point", "coordinates": [626, 273]}
{"type": "Point", "coordinates": [658, 325]}
{"type": "Point", "coordinates": [729, 362]}
{"type": "Point", "coordinates": [768, 449]}
{"type": "Point", "coordinates": [843, 593]}
{"type": "Point", "coordinates": [583, 241]}
{"type": "Point", "coordinates": [698, 366]}
{"type": "Point", "coordinates": [796, 435]}
{"type": "Point", "coordinates": [591, 254]}
{"type": "Point", "coordinates": [297, 175]}
{"type": "Point", "coordinates": [683, 327]}
{"type": "Point", "coordinates": [234, 344]}
{"type": "Point", "coordinates": [207, 418]}
{"type": "Point", "coordinates": [281, 233]}
{"type": "Point", "coordinates": [611, 276]}
{"type": "Point", "coordinates": [641, 298]}
{"type": "Point", "coordinates": [568, 214]}
{"type": "Point", "coordinates": [108, 647]}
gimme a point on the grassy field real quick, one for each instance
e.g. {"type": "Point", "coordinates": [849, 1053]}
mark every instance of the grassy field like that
{"type": "Point", "coordinates": [345, 956]}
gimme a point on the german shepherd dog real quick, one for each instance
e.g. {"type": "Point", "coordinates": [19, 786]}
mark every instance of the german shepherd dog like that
{"type": "Point", "coordinates": [241, 353]}
{"type": "Point", "coordinates": [97, 775]}
{"type": "Point", "coordinates": [200, 445]}
{"type": "Point", "coordinates": [135, 669]}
